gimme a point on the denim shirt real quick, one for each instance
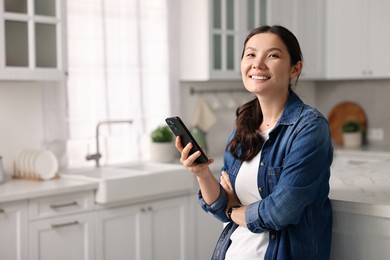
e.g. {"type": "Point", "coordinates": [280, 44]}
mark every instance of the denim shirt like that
{"type": "Point", "coordinates": [293, 182]}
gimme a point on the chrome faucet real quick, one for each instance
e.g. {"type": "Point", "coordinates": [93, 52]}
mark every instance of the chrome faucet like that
{"type": "Point", "coordinates": [96, 156]}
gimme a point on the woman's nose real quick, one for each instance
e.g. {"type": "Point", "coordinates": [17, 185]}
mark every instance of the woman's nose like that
{"type": "Point", "coordinates": [259, 64]}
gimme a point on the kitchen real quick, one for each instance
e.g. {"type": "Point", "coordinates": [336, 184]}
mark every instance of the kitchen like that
{"type": "Point", "coordinates": [26, 105]}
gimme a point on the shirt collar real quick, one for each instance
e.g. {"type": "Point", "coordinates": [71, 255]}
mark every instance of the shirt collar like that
{"type": "Point", "coordinates": [292, 110]}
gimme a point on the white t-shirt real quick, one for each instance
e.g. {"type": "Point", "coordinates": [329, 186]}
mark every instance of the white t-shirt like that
{"type": "Point", "coordinates": [245, 244]}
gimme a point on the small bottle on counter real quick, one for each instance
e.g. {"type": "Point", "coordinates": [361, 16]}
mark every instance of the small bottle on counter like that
{"type": "Point", "coordinates": [2, 173]}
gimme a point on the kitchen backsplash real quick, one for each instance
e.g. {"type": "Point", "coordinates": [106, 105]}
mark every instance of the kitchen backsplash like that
{"type": "Point", "coordinates": [371, 95]}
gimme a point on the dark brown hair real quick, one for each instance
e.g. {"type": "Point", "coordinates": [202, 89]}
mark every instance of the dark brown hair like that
{"type": "Point", "coordinates": [246, 142]}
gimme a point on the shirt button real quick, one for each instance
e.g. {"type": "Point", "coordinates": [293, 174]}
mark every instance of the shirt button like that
{"type": "Point", "coordinates": [273, 236]}
{"type": "Point", "coordinates": [262, 164]}
{"type": "Point", "coordinates": [260, 189]}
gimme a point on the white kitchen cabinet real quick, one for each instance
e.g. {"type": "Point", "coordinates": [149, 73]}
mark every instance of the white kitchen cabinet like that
{"type": "Point", "coordinates": [212, 34]}
{"type": "Point", "coordinates": [359, 236]}
{"type": "Point", "coordinates": [32, 40]}
{"type": "Point", "coordinates": [62, 227]}
{"type": "Point", "coordinates": [63, 238]}
{"type": "Point", "coordinates": [207, 231]}
{"type": "Point", "coordinates": [151, 230]}
{"type": "Point", "coordinates": [357, 43]}
{"type": "Point", "coordinates": [306, 19]}
{"type": "Point", "coordinates": [14, 230]}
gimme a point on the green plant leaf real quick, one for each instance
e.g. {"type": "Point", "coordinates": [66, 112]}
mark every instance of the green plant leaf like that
{"type": "Point", "coordinates": [162, 134]}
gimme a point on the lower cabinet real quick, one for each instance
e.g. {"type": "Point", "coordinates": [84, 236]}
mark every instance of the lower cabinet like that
{"type": "Point", "coordinates": [208, 229]}
{"type": "Point", "coordinates": [63, 238]}
{"type": "Point", "coordinates": [357, 236]}
{"type": "Point", "coordinates": [13, 230]}
{"type": "Point", "coordinates": [152, 230]}
{"type": "Point", "coordinates": [71, 227]}
{"type": "Point", "coordinates": [62, 227]}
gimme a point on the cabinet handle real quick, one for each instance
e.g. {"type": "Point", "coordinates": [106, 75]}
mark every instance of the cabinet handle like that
{"type": "Point", "coordinates": [65, 224]}
{"type": "Point", "coordinates": [57, 206]}
{"type": "Point", "coordinates": [2, 211]}
{"type": "Point", "coordinates": [143, 210]}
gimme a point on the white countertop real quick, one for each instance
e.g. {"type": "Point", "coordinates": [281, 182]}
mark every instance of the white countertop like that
{"type": "Point", "coordinates": [361, 177]}
{"type": "Point", "coordinates": [18, 189]}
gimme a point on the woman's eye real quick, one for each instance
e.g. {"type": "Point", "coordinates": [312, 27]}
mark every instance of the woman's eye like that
{"type": "Point", "coordinates": [272, 55]}
{"type": "Point", "coordinates": [250, 55]}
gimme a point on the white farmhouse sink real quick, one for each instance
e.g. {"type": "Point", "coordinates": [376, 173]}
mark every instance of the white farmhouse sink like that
{"type": "Point", "coordinates": [137, 180]}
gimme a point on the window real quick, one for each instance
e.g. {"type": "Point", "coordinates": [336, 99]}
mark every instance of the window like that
{"type": "Point", "coordinates": [119, 68]}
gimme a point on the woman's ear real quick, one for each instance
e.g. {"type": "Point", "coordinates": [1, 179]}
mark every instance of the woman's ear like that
{"type": "Point", "coordinates": [296, 70]}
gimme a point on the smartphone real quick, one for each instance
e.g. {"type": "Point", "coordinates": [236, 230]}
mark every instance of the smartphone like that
{"type": "Point", "coordinates": [178, 127]}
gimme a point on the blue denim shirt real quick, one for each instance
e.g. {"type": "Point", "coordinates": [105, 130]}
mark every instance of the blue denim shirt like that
{"type": "Point", "coordinates": [293, 182]}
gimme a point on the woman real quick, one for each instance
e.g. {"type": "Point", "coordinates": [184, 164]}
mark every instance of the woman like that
{"type": "Point", "coordinates": [274, 185]}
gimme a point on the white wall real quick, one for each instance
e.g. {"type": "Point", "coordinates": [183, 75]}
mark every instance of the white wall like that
{"type": "Point", "coordinates": [32, 116]}
{"type": "Point", "coordinates": [21, 120]}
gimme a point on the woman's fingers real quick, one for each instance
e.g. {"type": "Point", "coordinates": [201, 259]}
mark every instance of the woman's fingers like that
{"type": "Point", "coordinates": [225, 182]}
{"type": "Point", "coordinates": [178, 144]}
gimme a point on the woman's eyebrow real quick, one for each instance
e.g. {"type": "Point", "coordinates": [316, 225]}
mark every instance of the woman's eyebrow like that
{"type": "Point", "coordinates": [270, 49]}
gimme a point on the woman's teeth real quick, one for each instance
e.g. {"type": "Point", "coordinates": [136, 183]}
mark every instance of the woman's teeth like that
{"type": "Point", "coordinates": [259, 77]}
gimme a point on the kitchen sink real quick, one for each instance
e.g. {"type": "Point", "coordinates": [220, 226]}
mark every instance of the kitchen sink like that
{"type": "Point", "coordinates": [136, 181]}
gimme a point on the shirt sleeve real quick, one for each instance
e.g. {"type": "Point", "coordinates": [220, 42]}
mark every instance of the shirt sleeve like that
{"type": "Point", "coordinates": [218, 207]}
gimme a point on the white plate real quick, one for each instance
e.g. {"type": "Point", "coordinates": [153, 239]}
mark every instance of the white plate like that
{"type": "Point", "coordinates": [45, 164]}
{"type": "Point", "coordinates": [21, 163]}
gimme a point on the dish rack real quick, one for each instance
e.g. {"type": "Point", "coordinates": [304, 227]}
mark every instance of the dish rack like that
{"type": "Point", "coordinates": [35, 165]}
{"type": "Point", "coordinates": [17, 174]}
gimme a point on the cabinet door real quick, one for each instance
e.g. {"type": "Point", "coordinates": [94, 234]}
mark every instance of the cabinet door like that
{"type": "Point", "coordinates": [310, 31]}
{"type": "Point", "coordinates": [119, 233]}
{"type": "Point", "coordinates": [207, 230]}
{"type": "Point", "coordinates": [32, 45]}
{"type": "Point", "coordinates": [305, 18]}
{"type": "Point", "coordinates": [225, 39]}
{"type": "Point", "coordinates": [155, 230]}
{"type": "Point", "coordinates": [63, 238]}
{"type": "Point", "coordinates": [347, 48]}
{"type": "Point", "coordinates": [172, 226]}
{"type": "Point", "coordinates": [378, 38]}
{"type": "Point", "coordinates": [14, 230]}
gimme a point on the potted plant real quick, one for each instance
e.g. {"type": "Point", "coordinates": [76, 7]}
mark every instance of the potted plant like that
{"type": "Point", "coordinates": [162, 148]}
{"type": "Point", "coordinates": [352, 134]}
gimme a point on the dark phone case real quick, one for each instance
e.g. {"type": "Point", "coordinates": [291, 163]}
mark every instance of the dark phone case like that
{"type": "Point", "coordinates": [179, 129]}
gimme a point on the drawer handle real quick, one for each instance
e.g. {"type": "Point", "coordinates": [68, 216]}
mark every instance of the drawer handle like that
{"type": "Point", "coordinates": [57, 206]}
{"type": "Point", "coordinates": [65, 224]}
{"type": "Point", "coordinates": [2, 211]}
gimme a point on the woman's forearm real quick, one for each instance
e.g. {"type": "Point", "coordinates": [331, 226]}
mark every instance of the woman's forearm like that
{"type": "Point", "coordinates": [209, 187]}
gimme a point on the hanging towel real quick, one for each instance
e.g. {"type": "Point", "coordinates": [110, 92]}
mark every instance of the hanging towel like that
{"type": "Point", "coordinates": [204, 117]}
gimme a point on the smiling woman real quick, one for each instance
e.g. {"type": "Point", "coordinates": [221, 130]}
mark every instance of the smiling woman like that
{"type": "Point", "coordinates": [118, 55]}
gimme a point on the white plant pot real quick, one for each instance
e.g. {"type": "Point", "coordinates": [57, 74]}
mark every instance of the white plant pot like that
{"type": "Point", "coordinates": [352, 140]}
{"type": "Point", "coordinates": [162, 152]}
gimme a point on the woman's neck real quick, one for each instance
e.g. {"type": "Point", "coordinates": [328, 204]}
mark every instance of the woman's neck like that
{"type": "Point", "coordinates": [272, 109]}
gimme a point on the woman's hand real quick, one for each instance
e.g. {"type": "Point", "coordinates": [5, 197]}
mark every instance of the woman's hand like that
{"type": "Point", "coordinates": [227, 186]}
{"type": "Point", "coordinates": [199, 170]}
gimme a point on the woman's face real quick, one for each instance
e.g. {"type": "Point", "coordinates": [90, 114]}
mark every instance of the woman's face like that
{"type": "Point", "coordinates": [265, 66]}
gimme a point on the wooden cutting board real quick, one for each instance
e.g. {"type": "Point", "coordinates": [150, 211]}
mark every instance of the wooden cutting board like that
{"type": "Point", "coordinates": [341, 113]}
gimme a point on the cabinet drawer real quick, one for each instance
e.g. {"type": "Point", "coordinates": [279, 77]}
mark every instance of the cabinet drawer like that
{"type": "Point", "coordinates": [61, 204]}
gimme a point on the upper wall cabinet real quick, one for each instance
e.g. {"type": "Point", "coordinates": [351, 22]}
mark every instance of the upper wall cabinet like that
{"type": "Point", "coordinates": [306, 19]}
{"type": "Point", "coordinates": [212, 34]}
{"type": "Point", "coordinates": [357, 39]}
{"type": "Point", "coordinates": [32, 40]}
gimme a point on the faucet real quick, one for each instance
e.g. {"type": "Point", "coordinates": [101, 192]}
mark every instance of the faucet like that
{"type": "Point", "coordinates": [96, 156]}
